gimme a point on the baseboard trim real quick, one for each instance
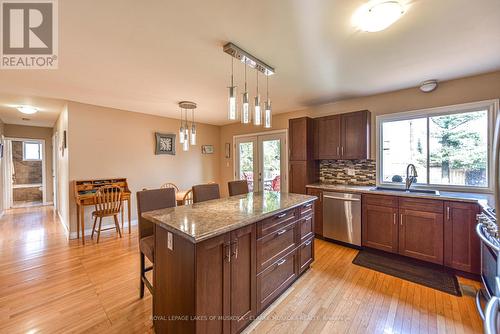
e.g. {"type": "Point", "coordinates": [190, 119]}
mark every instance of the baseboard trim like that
{"type": "Point", "coordinates": [88, 231]}
{"type": "Point", "coordinates": [61, 220]}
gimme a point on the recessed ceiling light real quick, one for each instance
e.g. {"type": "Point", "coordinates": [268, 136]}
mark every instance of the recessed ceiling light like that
{"type": "Point", "coordinates": [428, 86]}
{"type": "Point", "coordinates": [378, 15]}
{"type": "Point", "coordinates": [27, 109]}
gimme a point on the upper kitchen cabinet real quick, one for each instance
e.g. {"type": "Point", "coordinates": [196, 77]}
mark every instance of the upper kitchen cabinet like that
{"type": "Point", "coordinates": [344, 136]}
{"type": "Point", "coordinates": [303, 169]}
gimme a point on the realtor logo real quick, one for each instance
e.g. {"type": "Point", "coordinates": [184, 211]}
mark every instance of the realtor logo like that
{"type": "Point", "coordinates": [29, 34]}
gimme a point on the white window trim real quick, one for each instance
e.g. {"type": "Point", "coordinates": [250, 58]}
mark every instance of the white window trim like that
{"type": "Point", "coordinates": [491, 105]}
{"type": "Point", "coordinates": [33, 142]}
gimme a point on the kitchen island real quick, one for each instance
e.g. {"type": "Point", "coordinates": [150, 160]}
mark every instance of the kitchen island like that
{"type": "Point", "coordinates": [218, 264]}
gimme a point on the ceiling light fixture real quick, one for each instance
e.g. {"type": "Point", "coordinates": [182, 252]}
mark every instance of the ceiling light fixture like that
{"type": "Point", "coordinates": [184, 133]}
{"type": "Point", "coordinates": [378, 15]}
{"type": "Point", "coordinates": [233, 108]}
{"type": "Point", "coordinates": [257, 117]}
{"type": "Point", "coordinates": [267, 109]}
{"type": "Point", "coordinates": [428, 86]}
{"type": "Point", "coordinates": [29, 110]}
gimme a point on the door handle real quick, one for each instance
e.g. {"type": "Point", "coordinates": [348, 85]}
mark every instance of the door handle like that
{"type": "Point", "coordinates": [342, 151]}
{"type": "Point", "coordinates": [395, 219]}
{"type": "Point", "coordinates": [228, 252]}
{"type": "Point", "coordinates": [281, 232]}
{"type": "Point", "coordinates": [281, 215]}
{"type": "Point", "coordinates": [447, 213]}
{"type": "Point", "coordinates": [280, 262]}
{"type": "Point", "coordinates": [338, 151]}
{"type": "Point", "coordinates": [308, 242]}
{"type": "Point", "coordinates": [401, 219]}
{"type": "Point", "coordinates": [235, 251]}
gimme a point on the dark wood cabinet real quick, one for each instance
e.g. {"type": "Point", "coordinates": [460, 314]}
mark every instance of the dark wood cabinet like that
{"type": "Point", "coordinates": [380, 227]}
{"type": "Point", "coordinates": [344, 136]}
{"type": "Point", "coordinates": [318, 210]}
{"type": "Point", "coordinates": [303, 169]}
{"type": "Point", "coordinates": [306, 255]}
{"type": "Point", "coordinates": [327, 137]}
{"type": "Point", "coordinates": [461, 243]}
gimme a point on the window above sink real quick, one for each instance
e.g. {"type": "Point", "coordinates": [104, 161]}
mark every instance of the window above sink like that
{"type": "Point", "coordinates": [448, 145]}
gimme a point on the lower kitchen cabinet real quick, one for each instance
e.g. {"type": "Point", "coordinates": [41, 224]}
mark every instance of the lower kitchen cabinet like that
{"type": "Point", "coordinates": [421, 235]}
{"type": "Point", "coordinates": [306, 255]}
{"type": "Point", "coordinates": [318, 210]}
{"type": "Point", "coordinates": [380, 227]}
{"type": "Point", "coordinates": [461, 243]}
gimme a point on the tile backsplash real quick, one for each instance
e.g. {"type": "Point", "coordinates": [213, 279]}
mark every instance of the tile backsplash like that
{"type": "Point", "coordinates": [363, 172]}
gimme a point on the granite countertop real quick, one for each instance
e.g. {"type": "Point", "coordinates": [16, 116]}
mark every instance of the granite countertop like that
{"type": "Point", "coordinates": [204, 220]}
{"type": "Point", "coordinates": [485, 200]}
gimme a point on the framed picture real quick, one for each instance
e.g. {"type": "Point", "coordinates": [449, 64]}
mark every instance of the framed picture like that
{"type": "Point", "coordinates": [207, 149]}
{"type": "Point", "coordinates": [228, 150]}
{"type": "Point", "coordinates": [165, 143]}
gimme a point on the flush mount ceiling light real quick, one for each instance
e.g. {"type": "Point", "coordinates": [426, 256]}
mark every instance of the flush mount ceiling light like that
{"type": "Point", "coordinates": [428, 86]}
{"type": "Point", "coordinates": [378, 15]}
{"type": "Point", "coordinates": [29, 110]}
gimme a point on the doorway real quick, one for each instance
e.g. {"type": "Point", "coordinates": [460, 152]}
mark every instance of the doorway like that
{"type": "Point", "coordinates": [261, 159]}
{"type": "Point", "coordinates": [24, 172]}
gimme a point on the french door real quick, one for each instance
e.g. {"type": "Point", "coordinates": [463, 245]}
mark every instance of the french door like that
{"type": "Point", "coordinates": [261, 160]}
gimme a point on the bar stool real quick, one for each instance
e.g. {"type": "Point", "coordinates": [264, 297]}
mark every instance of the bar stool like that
{"type": "Point", "coordinates": [205, 192]}
{"type": "Point", "coordinates": [238, 187]}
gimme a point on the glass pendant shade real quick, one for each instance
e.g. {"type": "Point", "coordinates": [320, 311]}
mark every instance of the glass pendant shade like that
{"type": "Point", "coordinates": [245, 110]}
{"type": "Point", "coordinates": [257, 117]}
{"type": "Point", "coordinates": [181, 134]}
{"type": "Point", "coordinates": [268, 115]}
{"type": "Point", "coordinates": [233, 107]}
{"type": "Point", "coordinates": [193, 134]}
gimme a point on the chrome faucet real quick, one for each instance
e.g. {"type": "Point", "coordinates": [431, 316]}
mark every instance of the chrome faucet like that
{"type": "Point", "coordinates": [411, 176]}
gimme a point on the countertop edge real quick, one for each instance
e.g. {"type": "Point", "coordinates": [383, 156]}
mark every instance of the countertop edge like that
{"type": "Point", "coordinates": [226, 229]}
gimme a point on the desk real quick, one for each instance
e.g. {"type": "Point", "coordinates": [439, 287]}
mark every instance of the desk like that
{"type": "Point", "coordinates": [84, 196]}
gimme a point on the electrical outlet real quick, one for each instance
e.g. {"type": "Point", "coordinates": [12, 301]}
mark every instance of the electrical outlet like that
{"type": "Point", "coordinates": [170, 241]}
{"type": "Point", "coordinates": [351, 171]}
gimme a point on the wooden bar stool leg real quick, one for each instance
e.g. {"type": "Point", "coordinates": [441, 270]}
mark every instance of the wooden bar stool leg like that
{"type": "Point", "coordinates": [93, 228]}
{"type": "Point", "coordinates": [143, 264]}
{"type": "Point", "coordinates": [99, 230]}
{"type": "Point", "coordinates": [123, 215]}
{"type": "Point", "coordinates": [117, 225]}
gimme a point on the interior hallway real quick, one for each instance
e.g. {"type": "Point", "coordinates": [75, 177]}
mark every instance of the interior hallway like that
{"type": "Point", "coordinates": [48, 285]}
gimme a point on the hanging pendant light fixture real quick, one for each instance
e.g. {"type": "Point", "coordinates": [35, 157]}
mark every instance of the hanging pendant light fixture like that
{"type": "Point", "coordinates": [245, 107]}
{"type": "Point", "coordinates": [193, 129]}
{"type": "Point", "coordinates": [181, 129]}
{"type": "Point", "coordinates": [187, 133]}
{"type": "Point", "coordinates": [267, 111]}
{"type": "Point", "coordinates": [233, 108]}
{"type": "Point", "coordinates": [257, 116]}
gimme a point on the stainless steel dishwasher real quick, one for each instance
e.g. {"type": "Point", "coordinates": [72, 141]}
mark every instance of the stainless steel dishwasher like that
{"type": "Point", "coordinates": [342, 217]}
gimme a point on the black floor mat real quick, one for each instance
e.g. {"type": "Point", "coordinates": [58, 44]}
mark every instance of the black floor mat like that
{"type": "Point", "coordinates": [411, 270]}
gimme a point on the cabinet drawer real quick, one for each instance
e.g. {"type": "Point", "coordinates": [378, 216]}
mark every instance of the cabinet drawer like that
{"type": "Point", "coordinates": [306, 209]}
{"type": "Point", "coordinates": [275, 279]}
{"type": "Point", "coordinates": [306, 255]}
{"type": "Point", "coordinates": [273, 246]}
{"type": "Point", "coordinates": [275, 223]}
{"type": "Point", "coordinates": [306, 228]}
{"type": "Point", "coordinates": [420, 204]}
{"type": "Point", "coordinates": [380, 200]}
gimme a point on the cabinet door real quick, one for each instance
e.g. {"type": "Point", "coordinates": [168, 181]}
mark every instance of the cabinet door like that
{"type": "Point", "coordinates": [298, 139]}
{"type": "Point", "coordinates": [318, 210]}
{"type": "Point", "coordinates": [355, 135]}
{"type": "Point", "coordinates": [243, 293]}
{"type": "Point", "coordinates": [421, 235]}
{"type": "Point", "coordinates": [327, 137]}
{"type": "Point", "coordinates": [380, 227]}
{"type": "Point", "coordinates": [297, 177]}
{"type": "Point", "coordinates": [213, 284]}
{"type": "Point", "coordinates": [461, 243]}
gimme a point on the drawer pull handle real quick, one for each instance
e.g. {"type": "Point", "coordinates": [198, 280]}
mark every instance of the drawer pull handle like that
{"type": "Point", "coordinates": [281, 216]}
{"type": "Point", "coordinates": [307, 205]}
{"type": "Point", "coordinates": [308, 242]}
{"type": "Point", "coordinates": [280, 262]}
{"type": "Point", "coordinates": [281, 232]}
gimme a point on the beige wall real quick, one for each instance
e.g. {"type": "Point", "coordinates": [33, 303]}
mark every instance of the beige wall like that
{"type": "Point", "coordinates": [62, 168]}
{"type": "Point", "coordinates": [36, 132]}
{"type": "Point", "coordinates": [108, 142]}
{"type": "Point", "coordinates": [1, 173]}
{"type": "Point", "coordinates": [477, 88]}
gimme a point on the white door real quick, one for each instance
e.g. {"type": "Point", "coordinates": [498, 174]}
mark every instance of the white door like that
{"type": "Point", "coordinates": [261, 160]}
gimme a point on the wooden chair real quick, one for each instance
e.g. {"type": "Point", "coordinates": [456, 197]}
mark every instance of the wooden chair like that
{"type": "Point", "coordinates": [205, 192]}
{"type": "Point", "coordinates": [238, 187]}
{"type": "Point", "coordinates": [169, 185]}
{"type": "Point", "coordinates": [108, 203]}
{"type": "Point", "coordinates": [149, 200]}
{"type": "Point", "coordinates": [188, 197]}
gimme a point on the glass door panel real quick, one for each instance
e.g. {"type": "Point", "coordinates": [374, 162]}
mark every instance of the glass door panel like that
{"type": "Point", "coordinates": [246, 161]}
{"type": "Point", "coordinates": [272, 162]}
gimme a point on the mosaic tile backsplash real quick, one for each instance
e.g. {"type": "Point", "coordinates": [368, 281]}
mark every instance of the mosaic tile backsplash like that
{"type": "Point", "coordinates": [337, 172]}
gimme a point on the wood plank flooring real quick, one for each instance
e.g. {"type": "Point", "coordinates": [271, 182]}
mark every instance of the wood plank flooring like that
{"type": "Point", "coordinates": [51, 285]}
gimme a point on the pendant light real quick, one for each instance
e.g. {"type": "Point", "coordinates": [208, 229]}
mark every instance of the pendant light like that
{"type": "Point", "coordinates": [233, 108]}
{"type": "Point", "coordinates": [181, 130]}
{"type": "Point", "coordinates": [185, 145]}
{"type": "Point", "coordinates": [257, 117]}
{"type": "Point", "coordinates": [193, 129]}
{"type": "Point", "coordinates": [245, 110]}
{"type": "Point", "coordinates": [267, 112]}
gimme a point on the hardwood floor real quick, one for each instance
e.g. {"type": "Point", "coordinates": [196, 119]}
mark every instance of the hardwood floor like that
{"type": "Point", "coordinates": [50, 285]}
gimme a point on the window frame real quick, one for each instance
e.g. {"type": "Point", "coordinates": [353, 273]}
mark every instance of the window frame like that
{"type": "Point", "coordinates": [40, 151]}
{"type": "Point", "coordinates": [492, 107]}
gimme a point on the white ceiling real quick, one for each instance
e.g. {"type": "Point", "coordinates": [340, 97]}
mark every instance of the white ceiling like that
{"type": "Point", "coordinates": [146, 56]}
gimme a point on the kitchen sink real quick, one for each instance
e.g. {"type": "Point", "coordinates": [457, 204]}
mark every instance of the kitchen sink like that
{"type": "Point", "coordinates": [413, 191]}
